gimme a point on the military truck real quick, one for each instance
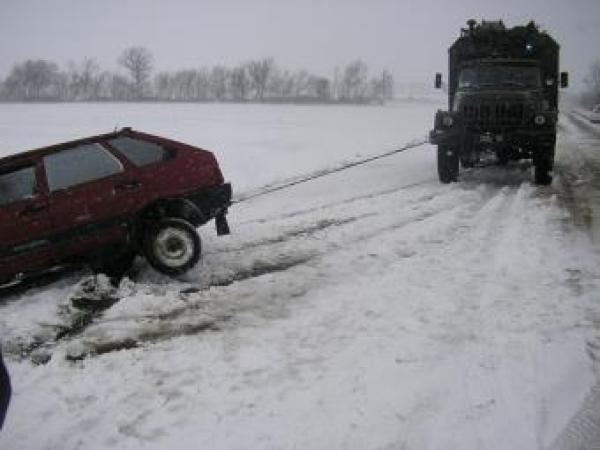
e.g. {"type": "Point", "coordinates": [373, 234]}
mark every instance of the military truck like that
{"type": "Point", "coordinates": [502, 99]}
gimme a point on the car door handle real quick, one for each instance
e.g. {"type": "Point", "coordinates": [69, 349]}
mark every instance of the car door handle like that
{"type": "Point", "coordinates": [33, 209]}
{"type": "Point", "coordinates": [128, 185]}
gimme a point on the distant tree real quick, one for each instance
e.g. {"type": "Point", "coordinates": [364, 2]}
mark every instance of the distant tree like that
{"type": "Point", "coordinates": [120, 88]}
{"type": "Point", "coordinates": [387, 81]}
{"type": "Point", "coordinates": [218, 82]}
{"type": "Point", "coordinates": [83, 79]}
{"type": "Point", "coordinates": [184, 84]}
{"type": "Point", "coordinates": [203, 85]}
{"type": "Point", "coordinates": [138, 62]}
{"type": "Point", "coordinates": [239, 83]}
{"type": "Point", "coordinates": [100, 89]}
{"type": "Point", "coordinates": [280, 85]}
{"type": "Point", "coordinates": [61, 87]}
{"type": "Point", "coordinates": [32, 80]}
{"type": "Point", "coordinates": [320, 88]}
{"type": "Point", "coordinates": [336, 85]}
{"type": "Point", "coordinates": [259, 72]}
{"type": "Point", "coordinates": [301, 83]}
{"type": "Point", "coordinates": [382, 88]}
{"type": "Point", "coordinates": [101, 86]}
{"type": "Point", "coordinates": [354, 82]}
{"type": "Point", "coordinates": [257, 80]}
{"type": "Point", "coordinates": [163, 86]}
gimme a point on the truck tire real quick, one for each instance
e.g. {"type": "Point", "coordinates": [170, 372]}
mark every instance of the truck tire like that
{"type": "Point", "coordinates": [467, 163]}
{"type": "Point", "coordinates": [543, 165]}
{"type": "Point", "coordinates": [172, 246]}
{"type": "Point", "coordinates": [447, 162]}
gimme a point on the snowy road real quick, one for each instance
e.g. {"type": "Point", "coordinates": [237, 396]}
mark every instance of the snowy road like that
{"type": "Point", "coordinates": [371, 309]}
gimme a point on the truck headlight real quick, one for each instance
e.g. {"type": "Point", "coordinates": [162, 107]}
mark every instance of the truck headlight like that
{"type": "Point", "coordinates": [540, 119]}
{"type": "Point", "coordinates": [448, 121]}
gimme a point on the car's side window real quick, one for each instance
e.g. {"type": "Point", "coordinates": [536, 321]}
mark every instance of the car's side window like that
{"type": "Point", "coordinates": [17, 185]}
{"type": "Point", "coordinates": [141, 153]}
{"type": "Point", "coordinates": [79, 165]}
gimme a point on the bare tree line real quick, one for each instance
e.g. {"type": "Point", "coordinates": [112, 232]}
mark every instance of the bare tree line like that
{"type": "Point", "coordinates": [254, 81]}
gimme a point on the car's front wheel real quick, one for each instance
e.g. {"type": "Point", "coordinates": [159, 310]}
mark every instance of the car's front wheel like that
{"type": "Point", "coordinates": [172, 246]}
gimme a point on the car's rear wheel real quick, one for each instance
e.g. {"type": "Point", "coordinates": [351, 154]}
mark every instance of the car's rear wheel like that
{"type": "Point", "coordinates": [172, 246]}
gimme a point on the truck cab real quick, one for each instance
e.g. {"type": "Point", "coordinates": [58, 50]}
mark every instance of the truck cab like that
{"type": "Point", "coordinates": [502, 99]}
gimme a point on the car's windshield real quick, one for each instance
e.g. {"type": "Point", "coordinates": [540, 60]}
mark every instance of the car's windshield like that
{"type": "Point", "coordinates": [499, 76]}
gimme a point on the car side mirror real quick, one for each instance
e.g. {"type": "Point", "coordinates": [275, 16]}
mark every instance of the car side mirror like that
{"type": "Point", "coordinates": [564, 79]}
{"type": "Point", "coordinates": [438, 80]}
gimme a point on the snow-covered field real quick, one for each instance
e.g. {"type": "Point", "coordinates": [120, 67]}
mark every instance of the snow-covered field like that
{"type": "Point", "coordinates": [370, 309]}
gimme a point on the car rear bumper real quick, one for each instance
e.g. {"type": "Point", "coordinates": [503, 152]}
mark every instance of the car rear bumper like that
{"type": "Point", "coordinates": [213, 203]}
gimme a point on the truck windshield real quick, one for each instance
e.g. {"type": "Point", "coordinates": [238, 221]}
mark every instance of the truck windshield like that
{"type": "Point", "coordinates": [499, 76]}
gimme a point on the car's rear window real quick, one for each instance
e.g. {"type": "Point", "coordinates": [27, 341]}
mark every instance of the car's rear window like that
{"type": "Point", "coordinates": [139, 152]}
{"type": "Point", "coordinates": [17, 185]}
{"type": "Point", "coordinates": [79, 165]}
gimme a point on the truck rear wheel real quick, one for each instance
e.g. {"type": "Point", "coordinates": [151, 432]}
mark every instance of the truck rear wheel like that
{"type": "Point", "coordinates": [543, 164]}
{"type": "Point", "coordinates": [447, 162]}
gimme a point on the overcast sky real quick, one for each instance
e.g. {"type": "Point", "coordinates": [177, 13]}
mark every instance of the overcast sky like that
{"type": "Point", "coordinates": [408, 37]}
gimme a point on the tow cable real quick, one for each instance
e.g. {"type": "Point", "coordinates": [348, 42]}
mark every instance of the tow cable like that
{"type": "Point", "coordinates": [326, 172]}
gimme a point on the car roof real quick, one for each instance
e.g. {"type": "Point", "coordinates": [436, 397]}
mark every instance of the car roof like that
{"type": "Point", "coordinates": [127, 131]}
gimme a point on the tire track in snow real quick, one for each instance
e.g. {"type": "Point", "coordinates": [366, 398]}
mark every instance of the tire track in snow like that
{"type": "Point", "coordinates": [215, 297]}
{"type": "Point", "coordinates": [459, 323]}
{"type": "Point", "coordinates": [424, 209]}
{"type": "Point", "coordinates": [348, 201]}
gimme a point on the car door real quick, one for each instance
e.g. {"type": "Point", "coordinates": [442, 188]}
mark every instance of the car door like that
{"type": "Point", "coordinates": [89, 197]}
{"type": "Point", "coordinates": [25, 228]}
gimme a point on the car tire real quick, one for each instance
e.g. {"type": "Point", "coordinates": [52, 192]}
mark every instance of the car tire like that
{"type": "Point", "coordinates": [172, 246]}
{"type": "Point", "coordinates": [447, 162]}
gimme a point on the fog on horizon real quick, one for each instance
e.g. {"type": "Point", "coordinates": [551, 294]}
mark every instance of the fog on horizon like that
{"type": "Point", "coordinates": [409, 38]}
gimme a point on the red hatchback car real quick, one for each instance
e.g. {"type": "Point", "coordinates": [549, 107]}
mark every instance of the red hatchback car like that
{"type": "Point", "coordinates": [105, 199]}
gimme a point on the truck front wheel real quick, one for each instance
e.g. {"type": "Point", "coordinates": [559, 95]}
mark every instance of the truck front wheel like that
{"type": "Point", "coordinates": [447, 162]}
{"type": "Point", "coordinates": [543, 164]}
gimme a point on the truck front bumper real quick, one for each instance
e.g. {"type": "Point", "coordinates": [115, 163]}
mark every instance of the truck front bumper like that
{"type": "Point", "coordinates": [459, 137]}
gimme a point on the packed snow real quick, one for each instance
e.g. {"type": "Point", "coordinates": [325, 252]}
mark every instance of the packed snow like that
{"type": "Point", "coordinates": [370, 309]}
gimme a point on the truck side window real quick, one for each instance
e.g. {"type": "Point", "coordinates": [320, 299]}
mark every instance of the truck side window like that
{"type": "Point", "coordinates": [79, 165]}
{"type": "Point", "coordinates": [17, 185]}
{"type": "Point", "coordinates": [140, 153]}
